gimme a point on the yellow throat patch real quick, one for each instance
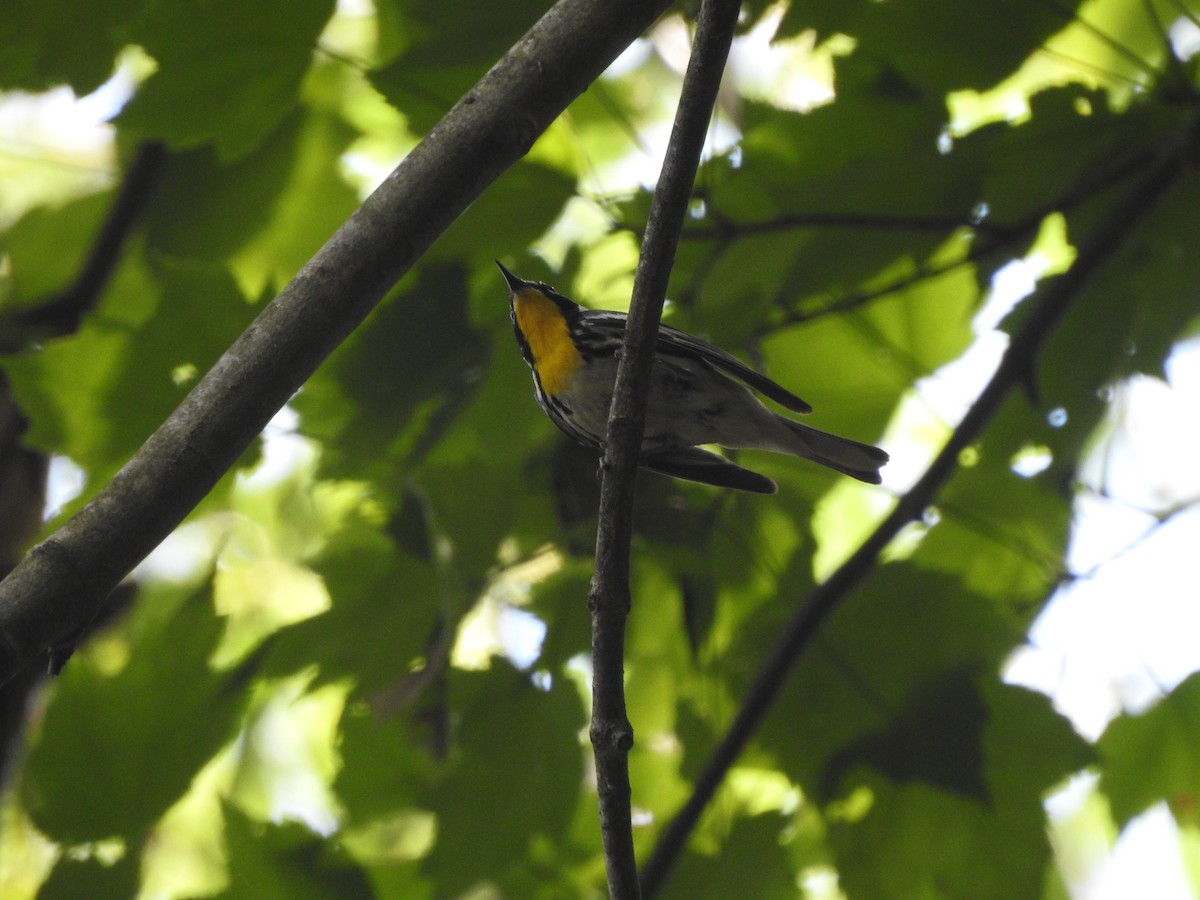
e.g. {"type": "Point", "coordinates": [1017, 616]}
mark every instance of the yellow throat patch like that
{"type": "Point", "coordinates": [554, 355]}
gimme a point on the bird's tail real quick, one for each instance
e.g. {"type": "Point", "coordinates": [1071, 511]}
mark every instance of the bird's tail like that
{"type": "Point", "coordinates": [858, 460]}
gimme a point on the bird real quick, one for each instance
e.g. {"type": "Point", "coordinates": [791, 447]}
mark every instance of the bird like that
{"type": "Point", "coordinates": [699, 394]}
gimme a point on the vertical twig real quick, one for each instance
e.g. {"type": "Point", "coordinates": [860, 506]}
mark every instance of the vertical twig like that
{"type": "Point", "coordinates": [611, 734]}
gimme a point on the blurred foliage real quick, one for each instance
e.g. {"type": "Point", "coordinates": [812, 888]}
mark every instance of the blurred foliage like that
{"type": "Point", "coordinates": [311, 695]}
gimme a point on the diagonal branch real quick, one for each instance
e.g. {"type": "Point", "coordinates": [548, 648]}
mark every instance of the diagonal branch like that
{"type": "Point", "coordinates": [1015, 370]}
{"type": "Point", "coordinates": [609, 598]}
{"type": "Point", "coordinates": [59, 585]}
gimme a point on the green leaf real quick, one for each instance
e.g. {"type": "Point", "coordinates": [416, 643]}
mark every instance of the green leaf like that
{"type": "Point", "coordinates": [940, 45]}
{"type": "Point", "coordinates": [386, 763]}
{"type": "Point", "coordinates": [811, 220]}
{"type": "Point", "coordinates": [397, 383]}
{"type": "Point", "coordinates": [512, 214]}
{"type": "Point", "coordinates": [561, 602]}
{"type": "Point", "coordinates": [265, 213]}
{"type": "Point", "coordinates": [146, 341]}
{"type": "Point", "coordinates": [1001, 533]}
{"type": "Point", "coordinates": [91, 878]}
{"type": "Point", "coordinates": [752, 863]}
{"type": "Point", "coordinates": [48, 43]}
{"type": "Point", "coordinates": [47, 247]}
{"type": "Point", "coordinates": [490, 821]}
{"type": "Point", "coordinates": [1151, 757]}
{"type": "Point", "coordinates": [385, 611]}
{"type": "Point", "coordinates": [917, 841]}
{"type": "Point", "coordinates": [904, 631]}
{"type": "Point", "coordinates": [1134, 50]}
{"type": "Point", "coordinates": [116, 750]}
{"type": "Point", "coordinates": [286, 861]}
{"type": "Point", "coordinates": [853, 368]}
{"type": "Point", "coordinates": [227, 71]}
{"type": "Point", "coordinates": [936, 738]}
{"type": "Point", "coordinates": [826, 161]}
{"type": "Point", "coordinates": [881, 702]}
{"type": "Point", "coordinates": [1080, 144]}
{"type": "Point", "coordinates": [1127, 316]}
{"type": "Point", "coordinates": [448, 46]}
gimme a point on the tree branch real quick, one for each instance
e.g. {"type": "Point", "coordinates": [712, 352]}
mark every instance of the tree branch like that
{"type": "Point", "coordinates": [609, 598]}
{"type": "Point", "coordinates": [57, 588]}
{"type": "Point", "coordinates": [1016, 369]}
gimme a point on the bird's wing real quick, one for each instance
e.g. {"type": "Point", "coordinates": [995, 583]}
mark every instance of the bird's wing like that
{"type": "Point", "coordinates": [672, 340]}
{"type": "Point", "coordinates": [694, 464]}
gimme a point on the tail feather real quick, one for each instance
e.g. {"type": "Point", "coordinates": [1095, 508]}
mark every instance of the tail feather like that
{"type": "Point", "coordinates": [858, 460]}
{"type": "Point", "coordinates": [694, 464]}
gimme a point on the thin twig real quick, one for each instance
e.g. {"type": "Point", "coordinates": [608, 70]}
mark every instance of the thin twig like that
{"type": "Point", "coordinates": [1015, 369]}
{"type": "Point", "coordinates": [609, 599]}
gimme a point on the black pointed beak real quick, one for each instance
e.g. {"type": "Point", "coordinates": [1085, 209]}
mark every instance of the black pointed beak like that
{"type": "Point", "coordinates": [514, 283]}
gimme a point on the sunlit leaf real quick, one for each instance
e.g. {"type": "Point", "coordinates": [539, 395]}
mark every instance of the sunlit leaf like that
{"type": "Point", "coordinates": [387, 611]}
{"type": "Point", "coordinates": [941, 45]}
{"type": "Point", "coordinates": [1151, 757]}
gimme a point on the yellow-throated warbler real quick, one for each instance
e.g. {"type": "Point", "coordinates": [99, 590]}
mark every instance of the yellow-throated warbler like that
{"type": "Point", "coordinates": [573, 354]}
